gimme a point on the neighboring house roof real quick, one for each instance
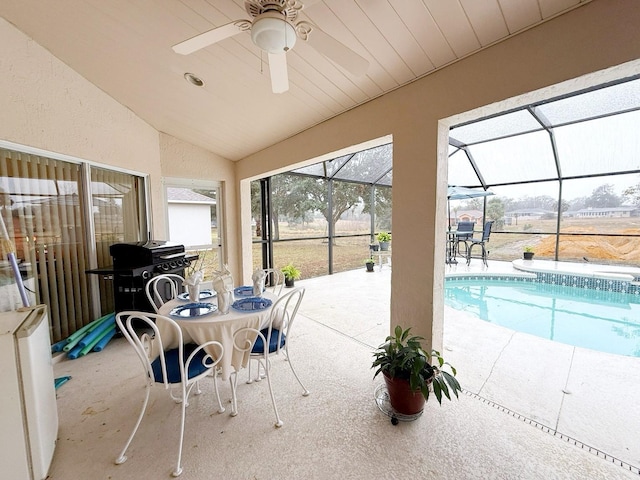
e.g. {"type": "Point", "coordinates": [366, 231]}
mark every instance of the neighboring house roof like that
{"type": "Point", "coordinates": [627, 208]}
{"type": "Point", "coordinates": [468, 213]}
{"type": "Point", "coordinates": [184, 195]}
{"type": "Point", "coordinates": [530, 211]}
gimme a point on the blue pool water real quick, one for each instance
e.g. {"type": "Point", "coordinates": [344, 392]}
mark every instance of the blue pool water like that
{"type": "Point", "coordinates": [600, 320]}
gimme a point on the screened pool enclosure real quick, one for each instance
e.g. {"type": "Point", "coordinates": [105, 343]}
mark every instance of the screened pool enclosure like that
{"type": "Point", "coordinates": [565, 174]}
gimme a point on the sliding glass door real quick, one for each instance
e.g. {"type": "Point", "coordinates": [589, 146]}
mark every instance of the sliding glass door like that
{"type": "Point", "coordinates": [60, 217]}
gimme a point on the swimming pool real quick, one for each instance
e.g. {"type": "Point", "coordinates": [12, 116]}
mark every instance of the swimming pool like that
{"type": "Point", "coordinates": [604, 320]}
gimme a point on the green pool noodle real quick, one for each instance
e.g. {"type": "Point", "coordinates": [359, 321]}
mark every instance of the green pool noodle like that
{"type": "Point", "coordinates": [93, 343]}
{"type": "Point", "coordinates": [88, 328]}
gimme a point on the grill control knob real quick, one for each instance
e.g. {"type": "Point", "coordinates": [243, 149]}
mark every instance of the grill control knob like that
{"type": "Point", "coordinates": [146, 274]}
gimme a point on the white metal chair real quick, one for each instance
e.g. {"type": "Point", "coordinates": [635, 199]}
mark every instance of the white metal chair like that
{"type": "Point", "coordinates": [276, 337]}
{"type": "Point", "coordinates": [275, 280]}
{"type": "Point", "coordinates": [162, 288]}
{"type": "Point", "coordinates": [181, 367]}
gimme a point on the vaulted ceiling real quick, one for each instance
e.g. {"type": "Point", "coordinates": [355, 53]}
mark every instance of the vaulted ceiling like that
{"type": "Point", "coordinates": [124, 47]}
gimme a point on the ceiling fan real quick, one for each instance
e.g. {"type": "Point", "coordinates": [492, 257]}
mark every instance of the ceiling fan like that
{"type": "Point", "coordinates": [274, 29]}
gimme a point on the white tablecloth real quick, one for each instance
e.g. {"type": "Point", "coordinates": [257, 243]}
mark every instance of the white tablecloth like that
{"type": "Point", "coordinates": [216, 326]}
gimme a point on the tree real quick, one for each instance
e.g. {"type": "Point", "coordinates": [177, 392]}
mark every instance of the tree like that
{"type": "Point", "coordinates": [603, 196]}
{"type": "Point", "coordinates": [564, 206]}
{"type": "Point", "coordinates": [495, 211]}
{"type": "Point", "coordinates": [632, 195]}
{"type": "Point", "coordinates": [292, 196]}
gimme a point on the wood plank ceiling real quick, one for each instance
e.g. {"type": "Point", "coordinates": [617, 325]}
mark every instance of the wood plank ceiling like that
{"type": "Point", "coordinates": [124, 48]}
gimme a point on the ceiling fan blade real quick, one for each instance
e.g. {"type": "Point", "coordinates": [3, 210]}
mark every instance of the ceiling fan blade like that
{"type": "Point", "coordinates": [278, 70]}
{"type": "Point", "coordinates": [338, 52]}
{"type": "Point", "coordinates": [208, 38]}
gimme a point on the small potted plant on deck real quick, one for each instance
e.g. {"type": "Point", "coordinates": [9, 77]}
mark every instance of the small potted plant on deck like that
{"type": "Point", "coordinates": [409, 373]}
{"type": "Point", "coordinates": [383, 239]}
{"type": "Point", "coordinates": [291, 273]}
{"type": "Point", "coordinates": [369, 262]}
{"type": "Point", "coordinates": [528, 253]}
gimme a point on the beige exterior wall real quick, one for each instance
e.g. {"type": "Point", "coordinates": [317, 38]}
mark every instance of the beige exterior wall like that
{"type": "Point", "coordinates": [597, 36]}
{"type": "Point", "coordinates": [46, 105]}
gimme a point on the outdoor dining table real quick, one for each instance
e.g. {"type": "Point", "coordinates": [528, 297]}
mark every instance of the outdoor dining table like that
{"type": "Point", "coordinates": [219, 327]}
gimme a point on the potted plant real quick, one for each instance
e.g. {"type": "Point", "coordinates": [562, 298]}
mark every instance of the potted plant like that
{"type": "Point", "coordinates": [528, 253]}
{"type": "Point", "coordinates": [409, 375]}
{"type": "Point", "coordinates": [383, 239]}
{"type": "Point", "coordinates": [369, 262]}
{"type": "Point", "coordinates": [291, 273]}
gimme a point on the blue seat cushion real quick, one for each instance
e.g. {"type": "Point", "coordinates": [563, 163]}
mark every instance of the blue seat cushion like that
{"type": "Point", "coordinates": [196, 366]}
{"type": "Point", "coordinates": [258, 347]}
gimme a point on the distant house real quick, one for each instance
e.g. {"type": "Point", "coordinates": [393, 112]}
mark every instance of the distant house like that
{"type": "Point", "coordinates": [606, 212]}
{"type": "Point", "coordinates": [513, 216]}
{"type": "Point", "coordinates": [189, 216]}
{"type": "Point", "coordinates": [467, 216]}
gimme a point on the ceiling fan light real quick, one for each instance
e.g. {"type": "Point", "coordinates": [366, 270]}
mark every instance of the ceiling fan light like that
{"type": "Point", "coordinates": [272, 33]}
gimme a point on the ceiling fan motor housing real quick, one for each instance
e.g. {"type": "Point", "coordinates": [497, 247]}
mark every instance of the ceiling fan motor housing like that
{"type": "Point", "coordinates": [272, 32]}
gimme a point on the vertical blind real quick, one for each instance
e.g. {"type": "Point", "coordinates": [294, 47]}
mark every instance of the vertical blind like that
{"type": "Point", "coordinates": [43, 212]}
{"type": "Point", "coordinates": [118, 216]}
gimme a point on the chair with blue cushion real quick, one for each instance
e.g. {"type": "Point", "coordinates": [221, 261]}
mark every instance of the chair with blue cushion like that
{"type": "Point", "coordinates": [486, 233]}
{"type": "Point", "coordinates": [276, 337]}
{"type": "Point", "coordinates": [178, 368]}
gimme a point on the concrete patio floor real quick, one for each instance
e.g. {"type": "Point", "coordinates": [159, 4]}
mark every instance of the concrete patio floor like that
{"type": "Point", "coordinates": [531, 408]}
{"type": "Point", "coordinates": [586, 397]}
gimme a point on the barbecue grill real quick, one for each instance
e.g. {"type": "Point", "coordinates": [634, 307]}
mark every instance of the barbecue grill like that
{"type": "Point", "coordinates": [134, 264]}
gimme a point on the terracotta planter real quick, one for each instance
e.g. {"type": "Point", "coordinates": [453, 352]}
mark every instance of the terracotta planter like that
{"type": "Point", "coordinates": [402, 398]}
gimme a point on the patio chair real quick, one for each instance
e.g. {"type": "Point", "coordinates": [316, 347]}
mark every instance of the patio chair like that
{"type": "Point", "coordinates": [275, 280]}
{"type": "Point", "coordinates": [162, 288]}
{"type": "Point", "coordinates": [276, 337]}
{"type": "Point", "coordinates": [182, 366]}
{"type": "Point", "coordinates": [486, 233]}
{"type": "Point", "coordinates": [464, 233]}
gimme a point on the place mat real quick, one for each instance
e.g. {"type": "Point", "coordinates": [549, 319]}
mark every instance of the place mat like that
{"type": "Point", "coordinates": [204, 294]}
{"type": "Point", "coordinates": [193, 310]}
{"type": "Point", "coordinates": [244, 291]}
{"type": "Point", "coordinates": [251, 304]}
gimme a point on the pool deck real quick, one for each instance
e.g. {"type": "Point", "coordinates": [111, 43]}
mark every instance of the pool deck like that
{"type": "Point", "coordinates": [590, 397]}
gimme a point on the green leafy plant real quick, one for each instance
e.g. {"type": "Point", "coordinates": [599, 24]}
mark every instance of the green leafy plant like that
{"type": "Point", "coordinates": [369, 260]}
{"type": "Point", "coordinates": [384, 237]}
{"type": "Point", "coordinates": [402, 356]}
{"type": "Point", "coordinates": [528, 249]}
{"type": "Point", "coordinates": [291, 272]}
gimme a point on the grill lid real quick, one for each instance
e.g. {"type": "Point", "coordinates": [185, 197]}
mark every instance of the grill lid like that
{"type": "Point", "coordinates": [138, 254]}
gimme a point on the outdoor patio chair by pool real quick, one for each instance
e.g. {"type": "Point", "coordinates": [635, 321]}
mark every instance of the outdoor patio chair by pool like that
{"type": "Point", "coordinates": [276, 337]}
{"type": "Point", "coordinates": [464, 233]}
{"type": "Point", "coordinates": [178, 368]}
{"type": "Point", "coordinates": [486, 233]}
{"type": "Point", "coordinates": [162, 288]}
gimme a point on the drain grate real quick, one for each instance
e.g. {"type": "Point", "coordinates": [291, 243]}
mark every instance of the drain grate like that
{"type": "Point", "coordinates": [555, 433]}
